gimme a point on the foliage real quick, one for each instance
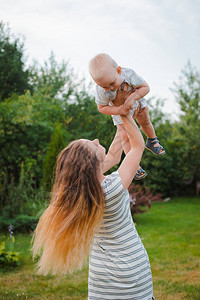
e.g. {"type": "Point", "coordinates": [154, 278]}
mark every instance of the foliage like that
{"type": "Point", "coordinates": [178, 171]}
{"type": "Point", "coordinates": [26, 126]}
{"type": "Point", "coordinates": [21, 197]}
{"type": "Point", "coordinates": [86, 121]}
{"type": "Point", "coordinates": [187, 92]}
{"type": "Point", "coordinates": [56, 144]}
{"type": "Point", "coordinates": [58, 108]}
{"type": "Point", "coordinates": [159, 177]}
{"type": "Point", "coordinates": [53, 79]}
{"type": "Point", "coordinates": [13, 76]}
{"type": "Point", "coordinates": [26, 123]}
{"type": "Point", "coordinates": [21, 223]}
{"type": "Point", "coordinates": [8, 257]}
{"type": "Point", "coordinates": [142, 198]}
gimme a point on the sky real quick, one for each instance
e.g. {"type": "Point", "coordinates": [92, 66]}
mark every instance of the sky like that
{"type": "Point", "coordinates": [156, 38]}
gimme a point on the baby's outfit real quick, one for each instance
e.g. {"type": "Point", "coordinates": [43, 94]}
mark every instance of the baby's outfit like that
{"type": "Point", "coordinates": [106, 97]}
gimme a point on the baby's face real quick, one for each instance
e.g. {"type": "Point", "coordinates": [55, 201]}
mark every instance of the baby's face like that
{"type": "Point", "coordinates": [110, 80]}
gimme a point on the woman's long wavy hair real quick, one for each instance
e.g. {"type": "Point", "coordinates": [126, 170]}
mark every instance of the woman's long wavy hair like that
{"type": "Point", "coordinates": [67, 227]}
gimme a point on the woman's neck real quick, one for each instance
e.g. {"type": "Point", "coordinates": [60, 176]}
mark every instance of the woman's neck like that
{"type": "Point", "coordinates": [100, 175]}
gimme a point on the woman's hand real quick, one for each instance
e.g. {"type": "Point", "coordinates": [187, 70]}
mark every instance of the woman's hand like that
{"type": "Point", "coordinates": [122, 94]}
{"type": "Point", "coordinates": [123, 110]}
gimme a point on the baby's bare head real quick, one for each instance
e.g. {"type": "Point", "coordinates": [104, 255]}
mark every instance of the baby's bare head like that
{"type": "Point", "coordinates": [100, 64]}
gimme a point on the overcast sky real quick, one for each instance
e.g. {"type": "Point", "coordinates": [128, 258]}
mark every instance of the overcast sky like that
{"type": "Point", "coordinates": [156, 38]}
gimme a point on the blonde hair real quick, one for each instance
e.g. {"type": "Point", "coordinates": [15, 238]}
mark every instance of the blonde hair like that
{"type": "Point", "coordinates": [67, 227]}
{"type": "Point", "coordinates": [99, 63]}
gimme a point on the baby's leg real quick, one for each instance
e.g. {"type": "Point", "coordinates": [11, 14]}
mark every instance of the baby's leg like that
{"type": "Point", "coordinates": [143, 120]}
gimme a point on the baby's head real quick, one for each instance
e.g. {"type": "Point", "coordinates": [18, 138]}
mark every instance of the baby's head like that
{"type": "Point", "coordinates": [105, 72]}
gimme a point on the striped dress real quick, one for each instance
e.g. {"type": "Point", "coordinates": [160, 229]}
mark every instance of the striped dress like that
{"type": "Point", "coordinates": [119, 266]}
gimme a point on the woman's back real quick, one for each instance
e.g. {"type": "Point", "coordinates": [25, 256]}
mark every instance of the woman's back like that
{"type": "Point", "coordinates": [82, 198]}
{"type": "Point", "coordinates": [119, 265]}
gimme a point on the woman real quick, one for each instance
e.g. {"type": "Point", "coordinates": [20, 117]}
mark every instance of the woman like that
{"type": "Point", "coordinates": [90, 211]}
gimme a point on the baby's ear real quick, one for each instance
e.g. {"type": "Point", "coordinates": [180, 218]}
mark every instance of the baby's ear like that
{"type": "Point", "coordinates": [119, 70]}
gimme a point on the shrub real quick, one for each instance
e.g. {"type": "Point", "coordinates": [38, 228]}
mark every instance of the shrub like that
{"type": "Point", "coordinates": [141, 198]}
{"type": "Point", "coordinates": [8, 258]}
{"type": "Point", "coordinates": [22, 223]}
{"type": "Point", "coordinates": [56, 144]}
{"type": "Point", "coordinates": [21, 202]}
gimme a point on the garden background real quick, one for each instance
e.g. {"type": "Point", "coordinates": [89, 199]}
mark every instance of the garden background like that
{"type": "Point", "coordinates": [45, 106]}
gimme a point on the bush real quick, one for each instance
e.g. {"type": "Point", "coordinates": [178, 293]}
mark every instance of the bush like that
{"type": "Point", "coordinates": [56, 144]}
{"type": "Point", "coordinates": [141, 198]}
{"type": "Point", "coordinates": [21, 198]}
{"type": "Point", "coordinates": [22, 223]}
{"type": "Point", "coordinates": [23, 205]}
{"type": "Point", "coordinates": [8, 258]}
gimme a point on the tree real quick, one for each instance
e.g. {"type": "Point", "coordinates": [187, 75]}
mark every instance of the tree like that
{"type": "Point", "coordinates": [86, 121]}
{"type": "Point", "coordinates": [159, 177]}
{"type": "Point", "coordinates": [13, 76]}
{"type": "Point", "coordinates": [187, 92]}
{"type": "Point", "coordinates": [28, 121]}
{"type": "Point", "coordinates": [177, 172]}
{"type": "Point", "coordinates": [52, 79]}
{"type": "Point", "coordinates": [56, 144]}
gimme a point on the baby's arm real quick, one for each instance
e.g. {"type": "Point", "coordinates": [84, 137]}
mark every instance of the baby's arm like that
{"type": "Point", "coordinates": [103, 104]}
{"type": "Point", "coordinates": [113, 110]}
{"type": "Point", "coordinates": [139, 93]}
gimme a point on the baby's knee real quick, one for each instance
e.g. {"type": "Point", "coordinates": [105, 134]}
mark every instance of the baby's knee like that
{"type": "Point", "coordinates": [143, 117]}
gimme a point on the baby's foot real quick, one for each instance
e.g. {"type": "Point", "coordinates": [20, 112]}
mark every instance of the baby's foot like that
{"type": "Point", "coordinates": [155, 147]}
{"type": "Point", "coordinates": [140, 174]}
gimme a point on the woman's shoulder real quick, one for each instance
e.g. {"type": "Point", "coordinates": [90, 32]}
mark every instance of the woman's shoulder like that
{"type": "Point", "coordinates": [111, 178]}
{"type": "Point", "coordinates": [112, 182]}
{"type": "Point", "coordinates": [114, 193]}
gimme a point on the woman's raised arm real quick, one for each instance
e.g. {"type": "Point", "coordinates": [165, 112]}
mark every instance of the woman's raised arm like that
{"type": "Point", "coordinates": [130, 163]}
{"type": "Point", "coordinates": [114, 153]}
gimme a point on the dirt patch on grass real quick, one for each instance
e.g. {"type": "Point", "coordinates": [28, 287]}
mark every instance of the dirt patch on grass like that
{"type": "Point", "coordinates": [160, 296]}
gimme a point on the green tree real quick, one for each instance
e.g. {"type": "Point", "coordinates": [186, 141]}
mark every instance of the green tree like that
{"type": "Point", "coordinates": [187, 92]}
{"type": "Point", "coordinates": [178, 171]}
{"type": "Point", "coordinates": [57, 143]}
{"type": "Point", "coordinates": [27, 123]}
{"type": "Point", "coordinates": [13, 76]}
{"type": "Point", "coordinates": [52, 79]}
{"type": "Point", "coordinates": [86, 121]}
{"type": "Point", "coordinates": [159, 178]}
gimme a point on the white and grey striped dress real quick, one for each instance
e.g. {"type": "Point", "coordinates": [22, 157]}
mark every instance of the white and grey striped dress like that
{"type": "Point", "coordinates": [119, 266]}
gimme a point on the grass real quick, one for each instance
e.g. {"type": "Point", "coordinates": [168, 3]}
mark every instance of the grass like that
{"type": "Point", "coordinates": [170, 232]}
{"type": "Point", "coordinates": [171, 235]}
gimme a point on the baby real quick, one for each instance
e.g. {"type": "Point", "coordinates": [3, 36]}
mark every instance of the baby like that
{"type": "Point", "coordinates": [109, 78]}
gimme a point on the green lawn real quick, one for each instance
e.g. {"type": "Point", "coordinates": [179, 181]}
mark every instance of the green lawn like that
{"type": "Point", "coordinates": [171, 234]}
